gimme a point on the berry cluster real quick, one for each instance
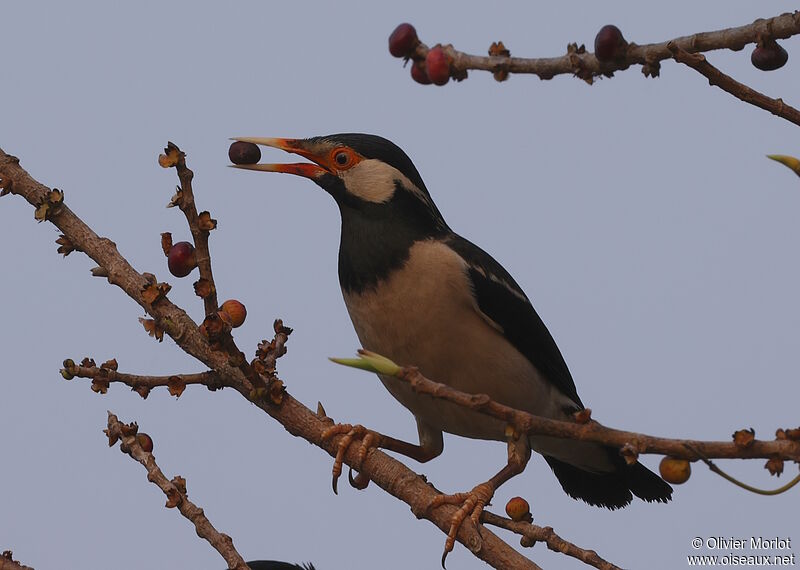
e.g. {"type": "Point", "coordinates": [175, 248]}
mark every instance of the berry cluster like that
{"type": "Point", "coordinates": [434, 68]}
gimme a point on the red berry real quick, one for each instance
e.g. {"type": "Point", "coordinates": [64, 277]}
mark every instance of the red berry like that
{"type": "Point", "coordinates": [235, 310]}
{"type": "Point", "coordinates": [180, 259]}
{"type": "Point", "coordinates": [769, 56]}
{"type": "Point", "coordinates": [518, 509]}
{"type": "Point", "coordinates": [419, 74]}
{"type": "Point", "coordinates": [145, 442]}
{"type": "Point", "coordinates": [242, 152]}
{"type": "Point", "coordinates": [609, 43]}
{"type": "Point", "coordinates": [437, 66]}
{"type": "Point", "coordinates": [403, 40]}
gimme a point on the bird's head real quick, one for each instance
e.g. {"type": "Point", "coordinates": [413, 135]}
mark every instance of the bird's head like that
{"type": "Point", "coordinates": [363, 173]}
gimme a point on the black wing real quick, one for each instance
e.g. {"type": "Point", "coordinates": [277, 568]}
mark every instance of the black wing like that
{"type": "Point", "coordinates": [501, 299]}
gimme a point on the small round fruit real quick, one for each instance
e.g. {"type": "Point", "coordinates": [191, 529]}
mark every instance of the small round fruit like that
{"type": "Point", "coordinates": [235, 310]}
{"type": "Point", "coordinates": [180, 259]}
{"type": "Point", "coordinates": [674, 470]}
{"type": "Point", "coordinates": [144, 441]}
{"type": "Point", "coordinates": [242, 152]}
{"type": "Point", "coordinates": [419, 74]}
{"type": "Point", "coordinates": [769, 56]}
{"type": "Point", "coordinates": [403, 40]}
{"type": "Point", "coordinates": [609, 43]}
{"type": "Point", "coordinates": [437, 66]}
{"type": "Point", "coordinates": [518, 509]}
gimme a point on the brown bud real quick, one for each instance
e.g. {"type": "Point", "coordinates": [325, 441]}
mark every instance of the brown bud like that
{"type": "Point", "coordinates": [65, 245]}
{"type": "Point", "coordinates": [203, 288]}
{"type": "Point", "coordinates": [173, 499]}
{"type": "Point", "coordinates": [100, 385]}
{"type": "Point", "coordinates": [152, 328]}
{"type": "Point", "coordinates": [205, 222]}
{"type": "Point", "coordinates": [793, 434]}
{"type": "Point", "coordinates": [744, 438]}
{"type": "Point", "coordinates": [276, 391]}
{"type": "Point", "coordinates": [143, 391]}
{"type": "Point", "coordinates": [166, 242]}
{"type": "Point", "coordinates": [176, 386]}
{"type": "Point", "coordinates": [171, 157]}
{"type": "Point", "coordinates": [774, 466]}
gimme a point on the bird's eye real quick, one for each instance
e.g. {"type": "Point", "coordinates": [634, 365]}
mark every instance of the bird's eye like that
{"type": "Point", "coordinates": [342, 158]}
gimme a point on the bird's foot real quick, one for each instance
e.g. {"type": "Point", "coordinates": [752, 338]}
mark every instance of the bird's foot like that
{"type": "Point", "coordinates": [472, 505]}
{"type": "Point", "coordinates": [369, 440]}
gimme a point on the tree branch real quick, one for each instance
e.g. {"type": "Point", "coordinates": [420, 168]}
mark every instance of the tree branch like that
{"type": "Point", "coordinates": [586, 65]}
{"type": "Point", "coordinates": [388, 473]}
{"type": "Point", "coordinates": [741, 91]}
{"type": "Point", "coordinates": [174, 489]}
{"type": "Point", "coordinates": [533, 533]}
{"type": "Point", "coordinates": [7, 562]}
{"type": "Point", "coordinates": [143, 384]}
{"type": "Point", "coordinates": [590, 430]}
{"type": "Point", "coordinates": [184, 199]}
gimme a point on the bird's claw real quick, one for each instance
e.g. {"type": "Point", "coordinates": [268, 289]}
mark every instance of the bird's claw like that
{"type": "Point", "coordinates": [360, 481]}
{"type": "Point", "coordinates": [472, 505]}
{"type": "Point", "coordinates": [369, 440]}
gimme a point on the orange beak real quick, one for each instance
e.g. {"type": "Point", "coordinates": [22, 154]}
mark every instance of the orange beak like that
{"type": "Point", "coordinates": [296, 146]}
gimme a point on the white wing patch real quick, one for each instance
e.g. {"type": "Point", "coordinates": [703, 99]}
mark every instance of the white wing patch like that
{"type": "Point", "coordinates": [500, 281]}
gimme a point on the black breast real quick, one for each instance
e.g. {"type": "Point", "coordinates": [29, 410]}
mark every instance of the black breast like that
{"type": "Point", "coordinates": [376, 238]}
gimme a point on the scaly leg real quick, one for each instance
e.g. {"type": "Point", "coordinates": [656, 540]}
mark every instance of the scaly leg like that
{"type": "Point", "coordinates": [473, 502]}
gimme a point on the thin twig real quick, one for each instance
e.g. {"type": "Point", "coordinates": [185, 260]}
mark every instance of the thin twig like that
{"type": "Point", "coordinates": [524, 422]}
{"type": "Point", "coordinates": [741, 91]}
{"type": "Point", "coordinates": [185, 201]}
{"type": "Point", "coordinates": [175, 490]}
{"type": "Point", "coordinates": [586, 65]}
{"type": "Point", "coordinates": [547, 535]}
{"type": "Point", "coordinates": [208, 378]}
{"type": "Point", "coordinates": [757, 490]}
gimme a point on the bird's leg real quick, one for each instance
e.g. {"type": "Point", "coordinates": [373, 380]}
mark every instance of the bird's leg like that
{"type": "Point", "coordinates": [473, 502]}
{"type": "Point", "coordinates": [428, 448]}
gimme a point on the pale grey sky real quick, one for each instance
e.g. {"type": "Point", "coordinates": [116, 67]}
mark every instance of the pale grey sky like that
{"type": "Point", "coordinates": [640, 216]}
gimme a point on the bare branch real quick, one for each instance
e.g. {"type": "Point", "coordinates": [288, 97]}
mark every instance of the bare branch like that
{"type": "Point", "coordinates": [385, 471]}
{"type": "Point", "coordinates": [533, 533]}
{"type": "Point", "coordinates": [591, 430]}
{"type": "Point", "coordinates": [741, 91]}
{"type": "Point", "coordinates": [174, 489]}
{"type": "Point", "coordinates": [586, 66]}
{"type": "Point", "coordinates": [7, 562]}
{"type": "Point", "coordinates": [209, 378]}
{"type": "Point", "coordinates": [200, 228]}
{"type": "Point", "coordinates": [171, 318]}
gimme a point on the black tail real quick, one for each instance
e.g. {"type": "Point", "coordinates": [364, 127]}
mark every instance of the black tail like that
{"type": "Point", "coordinates": [611, 490]}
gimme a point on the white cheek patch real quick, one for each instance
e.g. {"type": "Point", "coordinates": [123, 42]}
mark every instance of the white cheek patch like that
{"type": "Point", "coordinates": [373, 180]}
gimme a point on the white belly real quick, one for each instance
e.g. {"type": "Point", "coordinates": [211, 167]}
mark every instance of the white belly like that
{"type": "Point", "coordinates": [425, 315]}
